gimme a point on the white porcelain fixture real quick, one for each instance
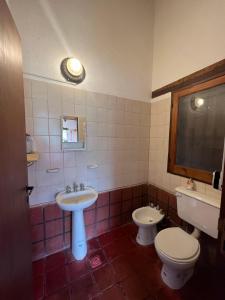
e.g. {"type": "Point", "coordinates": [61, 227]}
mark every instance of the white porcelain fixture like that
{"type": "Point", "coordinates": [146, 219]}
{"type": "Point", "coordinates": [77, 202]}
{"type": "Point", "coordinates": [179, 250]}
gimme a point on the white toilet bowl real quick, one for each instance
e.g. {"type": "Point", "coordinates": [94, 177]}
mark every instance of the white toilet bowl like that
{"type": "Point", "coordinates": [146, 219]}
{"type": "Point", "coordinates": [179, 252]}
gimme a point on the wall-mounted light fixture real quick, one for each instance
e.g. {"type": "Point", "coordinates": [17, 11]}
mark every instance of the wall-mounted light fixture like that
{"type": "Point", "coordinates": [72, 70]}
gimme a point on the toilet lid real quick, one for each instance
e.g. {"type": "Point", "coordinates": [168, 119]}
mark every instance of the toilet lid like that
{"type": "Point", "coordinates": [176, 243]}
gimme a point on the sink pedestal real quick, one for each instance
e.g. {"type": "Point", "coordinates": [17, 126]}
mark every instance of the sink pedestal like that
{"type": "Point", "coordinates": [79, 242]}
{"type": "Point", "coordinates": [76, 202]}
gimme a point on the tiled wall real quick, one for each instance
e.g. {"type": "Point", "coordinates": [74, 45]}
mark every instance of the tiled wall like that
{"type": "Point", "coordinates": [51, 227]}
{"type": "Point", "coordinates": [117, 139]}
{"type": "Point", "coordinates": [158, 153]}
{"type": "Point", "coordinates": [167, 202]}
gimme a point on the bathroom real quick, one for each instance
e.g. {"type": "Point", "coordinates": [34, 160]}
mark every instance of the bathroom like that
{"type": "Point", "coordinates": [113, 149]}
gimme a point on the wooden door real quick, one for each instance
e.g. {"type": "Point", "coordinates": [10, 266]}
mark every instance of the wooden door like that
{"type": "Point", "coordinates": [15, 239]}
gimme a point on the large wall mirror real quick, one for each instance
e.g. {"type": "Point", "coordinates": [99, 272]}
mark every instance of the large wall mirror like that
{"type": "Point", "coordinates": [197, 130]}
{"type": "Point", "coordinates": [73, 133]}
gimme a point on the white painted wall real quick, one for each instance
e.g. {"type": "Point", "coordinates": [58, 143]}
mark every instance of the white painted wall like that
{"type": "Point", "coordinates": [113, 40]}
{"type": "Point", "coordinates": [188, 36]}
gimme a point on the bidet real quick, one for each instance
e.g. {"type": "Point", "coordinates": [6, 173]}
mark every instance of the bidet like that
{"type": "Point", "coordinates": [146, 219]}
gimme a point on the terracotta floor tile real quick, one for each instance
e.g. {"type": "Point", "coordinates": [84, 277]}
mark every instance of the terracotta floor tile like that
{"type": "Point", "coordinates": [104, 277]}
{"type": "Point", "coordinates": [105, 239]}
{"type": "Point", "coordinates": [166, 293]}
{"type": "Point", "coordinates": [112, 251]}
{"type": "Point", "coordinates": [69, 255]}
{"type": "Point", "coordinates": [148, 251]}
{"type": "Point", "coordinates": [76, 269]}
{"type": "Point", "coordinates": [93, 245]}
{"type": "Point", "coordinates": [84, 288]}
{"type": "Point", "coordinates": [125, 244]}
{"type": "Point", "coordinates": [118, 233]}
{"type": "Point", "coordinates": [56, 280]}
{"type": "Point", "coordinates": [111, 236]}
{"type": "Point", "coordinates": [123, 268]}
{"type": "Point", "coordinates": [134, 288]}
{"type": "Point", "coordinates": [131, 229]}
{"type": "Point", "coordinates": [113, 293]}
{"type": "Point", "coordinates": [63, 294]}
{"type": "Point", "coordinates": [55, 261]}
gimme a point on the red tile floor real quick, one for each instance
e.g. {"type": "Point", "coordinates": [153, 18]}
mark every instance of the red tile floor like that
{"type": "Point", "coordinates": [117, 268]}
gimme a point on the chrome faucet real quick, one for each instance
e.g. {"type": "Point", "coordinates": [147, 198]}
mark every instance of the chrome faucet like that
{"type": "Point", "coordinates": [82, 187]}
{"type": "Point", "coordinates": [68, 189]}
{"type": "Point", "coordinates": [75, 187]}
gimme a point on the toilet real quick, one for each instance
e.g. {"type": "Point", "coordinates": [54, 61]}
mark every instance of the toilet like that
{"type": "Point", "coordinates": [146, 219]}
{"type": "Point", "coordinates": [178, 250]}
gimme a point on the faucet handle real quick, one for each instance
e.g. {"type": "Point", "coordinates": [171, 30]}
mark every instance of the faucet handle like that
{"type": "Point", "coordinates": [82, 187]}
{"type": "Point", "coordinates": [68, 189]}
{"type": "Point", "coordinates": [157, 207]}
{"type": "Point", "coordinates": [161, 211]}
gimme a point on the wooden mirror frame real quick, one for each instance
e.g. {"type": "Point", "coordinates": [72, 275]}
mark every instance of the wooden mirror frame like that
{"type": "Point", "coordinates": [172, 167]}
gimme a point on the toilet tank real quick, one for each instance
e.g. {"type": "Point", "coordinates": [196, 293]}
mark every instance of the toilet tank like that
{"type": "Point", "coordinates": [202, 211]}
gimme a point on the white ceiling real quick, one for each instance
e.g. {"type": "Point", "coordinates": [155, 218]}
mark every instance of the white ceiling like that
{"type": "Point", "coordinates": [112, 39]}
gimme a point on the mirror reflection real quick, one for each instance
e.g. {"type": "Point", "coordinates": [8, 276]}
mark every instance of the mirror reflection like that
{"type": "Point", "coordinates": [73, 133]}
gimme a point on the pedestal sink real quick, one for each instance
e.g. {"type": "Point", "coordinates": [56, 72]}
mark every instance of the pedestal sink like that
{"type": "Point", "coordinates": [77, 202]}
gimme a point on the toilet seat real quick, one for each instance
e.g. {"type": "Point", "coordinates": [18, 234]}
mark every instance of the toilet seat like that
{"type": "Point", "coordinates": [177, 245]}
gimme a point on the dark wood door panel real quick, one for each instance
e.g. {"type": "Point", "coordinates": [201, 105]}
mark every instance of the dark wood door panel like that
{"type": "Point", "coordinates": [15, 240]}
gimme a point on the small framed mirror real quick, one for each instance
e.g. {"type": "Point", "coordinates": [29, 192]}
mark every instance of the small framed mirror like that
{"type": "Point", "coordinates": [73, 133]}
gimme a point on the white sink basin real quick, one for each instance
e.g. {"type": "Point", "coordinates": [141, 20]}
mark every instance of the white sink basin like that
{"type": "Point", "coordinates": [77, 202]}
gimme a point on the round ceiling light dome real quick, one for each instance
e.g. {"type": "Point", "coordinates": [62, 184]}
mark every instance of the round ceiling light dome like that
{"type": "Point", "coordinates": [72, 70]}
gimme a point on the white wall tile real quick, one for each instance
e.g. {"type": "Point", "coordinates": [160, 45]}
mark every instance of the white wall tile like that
{"type": "Point", "coordinates": [40, 108]}
{"type": "Point", "coordinates": [80, 110]}
{"type": "Point", "coordinates": [27, 88]}
{"type": "Point", "coordinates": [48, 179]}
{"type": "Point", "coordinates": [54, 126]}
{"type": "Point", "coordinates": [39, 89]}
{"type": "Point", "coordinates": [54, 108]}
{"type": "Point", "coordinates": [28, 107]}
{"type": "Point", "coordinates": [69, 159]}
{"type": "Point", "coordinates": [56, 160]}
{"type": "Point", "coordinates": [92, 114]}
{"type": "Point", "coordinates": [43, 162]}
{"type": "Point", "coordinates": [55, 143]}
{"type": "Point", "coordinates": [80, 97]}
{"type": "Point", "coordinates": [68, 107]}
{"type": "Point", "coordinates": [67, 93]}
{"type": "Point", "coordinates": [117, 141]}
{"type": "Point", "coordinates": [40, 126]}
{"type": "Point", "coordinates": [29, 126]}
